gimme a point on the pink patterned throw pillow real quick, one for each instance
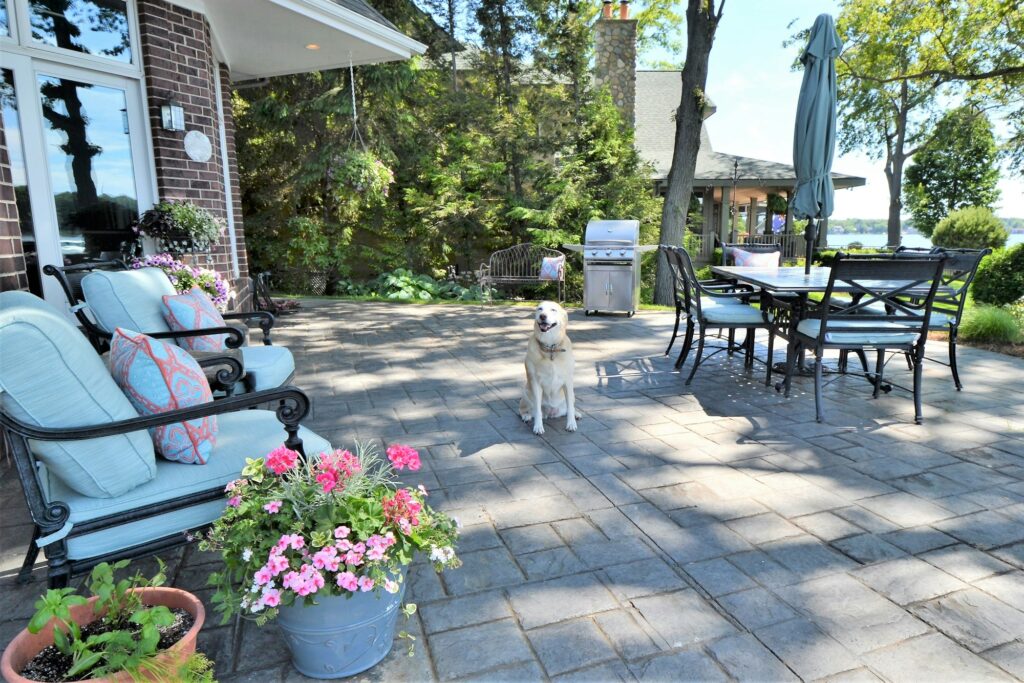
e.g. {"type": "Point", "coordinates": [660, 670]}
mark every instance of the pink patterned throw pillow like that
{"type": "Point", "coordinates": [194, 310]}
{"type": "Point", "coordinates": [754, 259]}
{"type": "Point", "coordinates": [551, 268]}
{"type": "Point", "coordinates": [158, 377]}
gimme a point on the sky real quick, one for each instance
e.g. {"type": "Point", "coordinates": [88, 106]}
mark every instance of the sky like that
{"type": "Point", "coordinates": [751, 83]}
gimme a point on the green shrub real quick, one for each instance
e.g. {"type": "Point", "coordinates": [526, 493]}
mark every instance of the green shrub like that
{"type": "Point", "coordinates": [975, 227]}
{"type": "Point", "coordinates": [1000, 278]}
{"type": "Point", "coordinates": [990, 324]}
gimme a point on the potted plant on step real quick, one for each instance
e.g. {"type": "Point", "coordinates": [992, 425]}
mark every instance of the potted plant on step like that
{"type": "Point", "coordinates": [130, 629]}
{"type": "Point", "coordinates": [323, 544]}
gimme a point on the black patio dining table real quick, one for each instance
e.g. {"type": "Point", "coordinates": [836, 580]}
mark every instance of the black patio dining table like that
{"type": "Point", "coordinates": [781, 281]}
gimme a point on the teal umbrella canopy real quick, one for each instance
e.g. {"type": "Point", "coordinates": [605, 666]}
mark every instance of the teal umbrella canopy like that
{"type": "Point", "coordinates": [814, 135]}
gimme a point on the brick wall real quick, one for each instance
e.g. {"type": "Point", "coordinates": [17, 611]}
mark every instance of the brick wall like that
{"type": "Point", "coordinates": [178, 59]}
{"type": "Point", "coordinates": [12, 257]}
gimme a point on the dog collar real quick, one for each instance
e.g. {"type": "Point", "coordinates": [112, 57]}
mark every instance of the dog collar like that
{"type": "Point", "coordinates": [550, 350]}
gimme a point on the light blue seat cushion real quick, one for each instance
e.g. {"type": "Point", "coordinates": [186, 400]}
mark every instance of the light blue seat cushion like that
{"type": "Point", "coordinates": [936, 321]}
{"type": "Point", "coordinates": [131, 299]}
{"type": "Point", "coordinates": [743, 314]}
{"type": "Point", "coordinates": [811, 327]}
{"type": "Point", "coordinates": [50, 376]}
{"type": "Point", "coordinates": [244, 434]}
{"type": "Point", "coordinates": [268, 366]}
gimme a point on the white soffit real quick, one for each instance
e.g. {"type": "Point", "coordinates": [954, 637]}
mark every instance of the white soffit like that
{"type": "Point", "coordinates": [262, 38]}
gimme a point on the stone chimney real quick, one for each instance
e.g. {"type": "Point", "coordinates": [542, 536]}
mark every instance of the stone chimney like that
{"type": "Point", "coordinates": [615, 59]}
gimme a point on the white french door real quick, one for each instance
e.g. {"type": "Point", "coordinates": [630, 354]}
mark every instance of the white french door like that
{"type": "Point", "coordinates": [86, 157]}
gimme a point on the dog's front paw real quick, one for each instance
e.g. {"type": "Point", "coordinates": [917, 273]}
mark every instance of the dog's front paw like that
{"type": "Point", "coordinates": [525, 418]}
{"type": "Point", "coordinates": [570, 424]}
{"type": "Point", "coordinates": [538, 427]}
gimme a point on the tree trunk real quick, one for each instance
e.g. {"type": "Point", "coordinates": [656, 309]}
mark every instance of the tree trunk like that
{"type": "Point", "coordinates": [894, 169]}
{"type": "Point", "coordinates": [701, 23]}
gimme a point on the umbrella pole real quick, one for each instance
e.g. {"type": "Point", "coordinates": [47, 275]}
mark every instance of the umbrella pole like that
{"type": "Point", "coordinates": [811, 237]}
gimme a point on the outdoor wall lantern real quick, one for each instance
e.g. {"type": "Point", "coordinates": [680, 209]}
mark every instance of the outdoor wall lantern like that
{"type": "Point", "coordinates": [172, 116]}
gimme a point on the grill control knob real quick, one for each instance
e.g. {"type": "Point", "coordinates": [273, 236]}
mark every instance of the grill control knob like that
{"type": "Point", "coordinates": [608, 253]}
{"type": "Point", "coordinates": [622, 253]}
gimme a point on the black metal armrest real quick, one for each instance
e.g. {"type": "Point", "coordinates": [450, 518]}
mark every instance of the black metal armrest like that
{"type": "Point", "coordinates": [230, 372]}
{"type": "Point", "coordinates": [293, 406]}
{"type": "Point", "coordinates": [265, 320]}
{"type": "Point", "coordinates": [236, 338]}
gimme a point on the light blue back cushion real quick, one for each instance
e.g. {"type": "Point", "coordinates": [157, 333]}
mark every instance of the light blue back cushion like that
{"type": "Point", "coordinates": [132, 299]}
{"type": "Point", "coordinates": [244, 434]}
{"type": "Point", "coordinates": [51, 377]}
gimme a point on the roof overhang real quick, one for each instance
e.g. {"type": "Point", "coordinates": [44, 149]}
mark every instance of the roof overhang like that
{"type": "Point", "coordinates": [263, 38]}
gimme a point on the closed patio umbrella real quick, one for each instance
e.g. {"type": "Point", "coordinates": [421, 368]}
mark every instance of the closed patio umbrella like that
{"type": "Point", "coordinates": [814, 136]}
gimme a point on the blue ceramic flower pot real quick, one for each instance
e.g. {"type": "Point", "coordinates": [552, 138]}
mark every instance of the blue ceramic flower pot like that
{"type": "Point", "coordinates": [341, 636]}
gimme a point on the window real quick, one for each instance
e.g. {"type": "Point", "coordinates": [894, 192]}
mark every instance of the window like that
{"type": "Point", "coordinates": [93, 27]}
{"type": "Point", "coordinates": [19, 176]}
{"type": "Point", "coordinates": [5, 29]}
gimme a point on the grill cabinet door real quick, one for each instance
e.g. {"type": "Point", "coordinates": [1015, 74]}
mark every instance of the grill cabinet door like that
{"type": "Point", "coordinates": [608, 288]}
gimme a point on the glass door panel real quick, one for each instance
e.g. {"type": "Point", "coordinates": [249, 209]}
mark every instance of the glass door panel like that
{"type": "Point", "coordinates": [92, 176]}
{"type": "Point", "coordinates": [19, 177]}
{"type": "Point", "coordinates": [93, 27]}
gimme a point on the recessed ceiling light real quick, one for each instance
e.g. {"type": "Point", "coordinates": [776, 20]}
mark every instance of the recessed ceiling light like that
{"type": "Point", "coordinates": [312, 46]}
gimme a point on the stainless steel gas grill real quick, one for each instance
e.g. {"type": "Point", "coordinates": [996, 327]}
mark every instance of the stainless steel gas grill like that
{"type": "Point", "coordinates": [611, 266]}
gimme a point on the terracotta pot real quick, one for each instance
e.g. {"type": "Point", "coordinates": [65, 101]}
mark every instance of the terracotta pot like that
{"type": "Point", "coordinates": [26, 646]}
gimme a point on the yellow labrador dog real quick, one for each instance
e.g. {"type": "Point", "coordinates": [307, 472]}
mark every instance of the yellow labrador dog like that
{"type": "Point", "coordinates": [548, 391]}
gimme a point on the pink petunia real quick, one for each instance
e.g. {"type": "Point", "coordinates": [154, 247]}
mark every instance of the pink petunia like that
{"type": "Point", "coordinates": [234, 501]}
{"type": "Point", "coordinates": [273, 507]}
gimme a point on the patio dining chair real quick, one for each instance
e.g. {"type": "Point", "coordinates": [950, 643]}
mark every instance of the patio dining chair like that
{"type": "Point", "coordinates": [901, 324]}
{"type": "Point", "coordinates": [105, 296]}
{"type": "Point", "coordinates": [712, 308]}
{"type": "Point", "coordinates": [731, 258]}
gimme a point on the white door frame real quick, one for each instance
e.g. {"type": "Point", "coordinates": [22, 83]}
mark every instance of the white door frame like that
{"type": "Point", "coordinates": [33, 128]}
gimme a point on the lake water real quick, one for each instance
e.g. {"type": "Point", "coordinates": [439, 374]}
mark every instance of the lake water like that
{"type": "Point", "coordinates": [879, 240]}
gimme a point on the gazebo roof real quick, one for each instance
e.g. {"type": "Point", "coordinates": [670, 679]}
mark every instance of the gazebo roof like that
{"type": "Point", "coordinates": [657, 98]}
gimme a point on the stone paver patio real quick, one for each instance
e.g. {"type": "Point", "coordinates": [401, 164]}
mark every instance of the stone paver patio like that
{"type": "Point", "coordinates": [710, 532]}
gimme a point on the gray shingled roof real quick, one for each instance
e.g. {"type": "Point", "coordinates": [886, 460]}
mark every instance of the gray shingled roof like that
{"type": "Point", "coordinates": [360, 7]}
{"type": "Point", "coordinates": [657, 98]}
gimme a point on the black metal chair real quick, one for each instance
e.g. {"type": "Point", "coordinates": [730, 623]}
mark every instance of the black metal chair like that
{"type": "Point", "coordinates": [712, 308]}
{"type": "Point", "coordinates": [679, 295]}
{"type": "Point", "coordinates": [884, 282]}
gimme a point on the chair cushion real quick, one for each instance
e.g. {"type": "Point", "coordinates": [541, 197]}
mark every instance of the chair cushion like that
{"type": "Point", "coordinates": [731, 315]}
{"type": "Point", "coordinates": [936, 321]}
{"type": "Point", "coordinates": [50, 376]}
{"type": "Point", "coordinates": [551, 268]}
{"type": "Point", "coordinates": [194, 310]}
{"type": "Point", "coordinates": [753, 259]}
{"type": "Point", "coordinates": [244, 434]}
{"type": "Point", "coordinates": [812, 326]}
{"type": "Point", "coordinates": [158, 377]}
{"type": "Point", "coordinates": [130, 299]}
{"type": "Point", "coordinates": [268, 367]}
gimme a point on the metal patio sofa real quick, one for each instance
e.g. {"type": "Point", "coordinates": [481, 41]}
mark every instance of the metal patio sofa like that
{"type": "Point", "coordinates": [95, 489]}
{"type": "Point", "coordinates": [519, 265]}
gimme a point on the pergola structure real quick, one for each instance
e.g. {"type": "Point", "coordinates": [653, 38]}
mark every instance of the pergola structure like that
{"type": "Point", "coordinates": [728, 185]}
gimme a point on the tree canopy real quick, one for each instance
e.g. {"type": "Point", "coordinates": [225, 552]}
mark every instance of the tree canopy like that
{"type": "Point", "coordinates": [955, 169]}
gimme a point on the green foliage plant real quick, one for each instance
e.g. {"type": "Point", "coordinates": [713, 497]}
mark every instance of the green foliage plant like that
{"type": "Point", "coordinates": [975, 227]}
{"type": "Point", "coordinates": [990, 324]}
{"type": "Point", "coordinates": [956, 168]}
{"type": "Point", "coordinates": [132, 631]}
{"type": "Point", "coordinates": [175, 219]}
{"type": "Point", "coordinates": [1000, 277]}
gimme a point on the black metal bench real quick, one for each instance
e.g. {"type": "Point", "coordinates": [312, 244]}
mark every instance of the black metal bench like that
{"type": "Point", "coordinates": [519, 265]}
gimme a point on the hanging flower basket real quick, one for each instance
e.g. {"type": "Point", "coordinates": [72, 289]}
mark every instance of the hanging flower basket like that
{"type": "Point", "coordinates": [180, 227]}
{"type": "Point", "coordinates": [364, 175]}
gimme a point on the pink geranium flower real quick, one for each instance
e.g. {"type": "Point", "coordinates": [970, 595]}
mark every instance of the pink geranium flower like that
{"type": "Point", "coordinates": [348, 581]}
{"type": "Point", "coordinates": [281, 460]}
{"type": "Point", "coordinates": [365, 583]}
{"type": "Point", "coordinates": [273, 506]}
{"type": "Point", "coordinates": [342, 532]}
{"type": "Point", "coordinates": [271, 597]}
{"type": "Point", "coordinates": [234, 501]}
{"type": "Point", "coordinates": [403, 456]}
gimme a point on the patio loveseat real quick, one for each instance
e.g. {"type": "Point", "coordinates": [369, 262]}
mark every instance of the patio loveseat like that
{"type": "Point", "coordinates": [109, 296]}
{"type": "Point", "coordinates": [95, 489]}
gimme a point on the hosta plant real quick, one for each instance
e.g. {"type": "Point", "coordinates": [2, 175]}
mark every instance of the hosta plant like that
{"type": "Point", "coordinates": [334, 524]}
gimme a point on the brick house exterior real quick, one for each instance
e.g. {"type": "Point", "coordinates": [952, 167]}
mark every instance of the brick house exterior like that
{"type": "Point", "coordinates": [190, 52]}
